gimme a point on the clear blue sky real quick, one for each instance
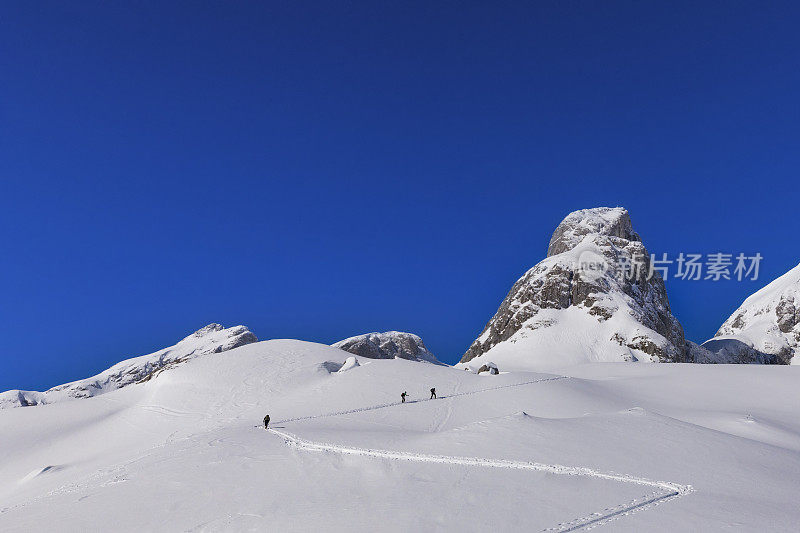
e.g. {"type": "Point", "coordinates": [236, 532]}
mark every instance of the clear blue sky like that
{"type": "Point", "coordinates": [318, 170]}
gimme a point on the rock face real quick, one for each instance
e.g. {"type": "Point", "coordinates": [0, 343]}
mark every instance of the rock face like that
{"type": "Point", "coordinates": [702, 355]}
{"type": "Point", "coordinates": [210, 339]}
{"type": "Point", "coordinates": [765, 328]}
{"type": "Point", "coordinates": [490, 367]}
{"type": "Point", "coordinates": [387, 345]}
{"type": "Point", "coordinates": [612, 222]}
{"type": "Point", "coordinates": [591, 299]}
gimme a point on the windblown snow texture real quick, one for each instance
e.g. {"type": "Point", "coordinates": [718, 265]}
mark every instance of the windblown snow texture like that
{"type": "Point", "coordinates": [567, 310]}
{"type": "Point", "coordinates": [519, 451]}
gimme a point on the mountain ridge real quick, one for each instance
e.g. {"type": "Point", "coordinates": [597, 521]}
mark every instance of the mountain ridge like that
{"type": "Point", "coordinates": [213, 338]}
{"type": "Point", "coordinates": [765, 328]}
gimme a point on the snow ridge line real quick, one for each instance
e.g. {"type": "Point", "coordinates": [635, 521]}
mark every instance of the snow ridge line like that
{"type": "Point", "coordinates": [392, 404]}
{"type": "Point", "coordinates": [666, 490]}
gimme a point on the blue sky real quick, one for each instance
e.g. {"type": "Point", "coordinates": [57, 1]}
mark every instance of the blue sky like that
{"type": "Point", "coordinates": [319, 170]}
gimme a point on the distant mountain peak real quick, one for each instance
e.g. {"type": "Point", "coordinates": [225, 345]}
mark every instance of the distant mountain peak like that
{"type": "Point", "coordinates": [574, 306]}
{"type": "Point", "coordinates": [212, 338]}
{"type": "Point", "coordinates": [607, 221]}
{"type": "Point", "coordinates": [387, 345]}
{"type": "Point", "coordinates": [765, 328]}
{"type": "Point", "coordinates": [211, 328]}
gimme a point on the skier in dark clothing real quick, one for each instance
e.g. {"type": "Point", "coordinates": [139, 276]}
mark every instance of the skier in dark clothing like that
{"type": "Point", "coordinates": [266, 422]}
{"type": "Point", "coordinates": [433, 393]}
{"type": "Point", "coordinates": [403, 396]}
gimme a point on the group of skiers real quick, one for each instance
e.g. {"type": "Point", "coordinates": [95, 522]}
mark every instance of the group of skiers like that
{"type": "Point", "coordinates": [402, 397]}
{"type": "Point", "coordinates": [433, 395]}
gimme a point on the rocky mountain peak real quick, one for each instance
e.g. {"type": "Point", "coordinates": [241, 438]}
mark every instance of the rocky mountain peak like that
{"type": "Point", "coordinates": [599, 221]}
{"type": "Point", "coordinates": [579, 305]}
{"type": "Point", "coordinates": [210, 339]}
{"type": "Point", "coordinates": [387, 345]}
{"type": "Point", "coordinates": [211, 328]}
{"type": "Point", "coordinates": [220, 337]}
{"type": "Point", "coordinates": [765, 328]}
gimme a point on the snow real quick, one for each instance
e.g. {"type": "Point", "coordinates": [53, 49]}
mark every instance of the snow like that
{"type": "Point", "coordinates": [757, 322]}
{"type": "Point", "coordinates": [349, 364]}
{"type": "Point", "coordinates": [595, 221]}
{"type": "Point", "coordinates": [788, 283]}
{"type": "Point", "coordinates": [387, 345]}
{"type": "Point", "coordinates": [212, 338]}
{"type": "Point", "coordinates": [575, 306]}
{"type": "Point", "coordinates": [571, 336]}
{"type": "Point", "coordinates": [623, 446]}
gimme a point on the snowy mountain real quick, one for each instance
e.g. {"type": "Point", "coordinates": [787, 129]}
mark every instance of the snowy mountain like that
{"type": "Point", "coordinates": [623, 448]}
{"type": "Point", "coordinates": [387, 345]}
{"type": "Point", "coordinates": [589, 300]}
{"type": "Point", "coordinates": [210, 339]}
{"type": "Point", "coordinates": [696, 353]}
{"type": "Point", "coordinates": [765, 328]}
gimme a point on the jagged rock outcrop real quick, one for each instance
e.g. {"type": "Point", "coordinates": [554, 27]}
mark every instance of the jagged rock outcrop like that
{"type": "Point", "coordinates": [489, 367]}
{"type": "Point", "coordinates": [765, 328]}
{"type": "Point", "coordinates": [387, 345]}
{"type": "Point", "coordinates": [211, 339]}
{"type": "Point", "coordinates": [591, 299]}
{"type": "Point", "coordinates": [612, 222]}
{"type": "Point", "coordinates": [698, 354]}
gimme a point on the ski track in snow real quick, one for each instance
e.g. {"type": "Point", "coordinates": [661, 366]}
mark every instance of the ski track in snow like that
{"type": "Point", "coordinates": [392, 404]}
{"type": "Point", "coordinates": [665, 490]}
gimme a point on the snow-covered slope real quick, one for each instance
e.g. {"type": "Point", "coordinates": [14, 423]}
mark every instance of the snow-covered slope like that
{"type": "Point", "coordinates": [765, 328]}
{"type": "Point", "coordinates": [606, 445]}
{"type": "Point", "coordinates": [387, 345]}
{"type": "Point", "coordinates": [578, 305]}
{"type": "Point", "coordinates": [210, 339]}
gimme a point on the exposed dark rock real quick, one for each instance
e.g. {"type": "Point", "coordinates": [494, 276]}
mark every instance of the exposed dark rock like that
{"type": "Point", "coordinates": [491, 368]}
{"type": "Point", "coordinates": [387, 345]}
{"type": "Point", "coordinates": [765, 328]}
{"type": "Point", "coordinates": [596, 262]}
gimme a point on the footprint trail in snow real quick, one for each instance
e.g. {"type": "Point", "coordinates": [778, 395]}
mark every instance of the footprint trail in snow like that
{"type": "Point", "coordinates": [664, 490]}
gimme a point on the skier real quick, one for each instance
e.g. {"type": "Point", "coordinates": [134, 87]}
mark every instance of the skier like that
{"type": "Point", "coordinates": [266, 422]}
{"type": "Point", "coordinates": [403, 396]}
{"type": "Point", "coordinates": [433, 393]}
